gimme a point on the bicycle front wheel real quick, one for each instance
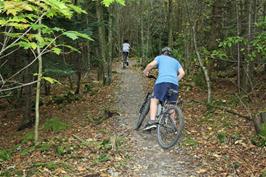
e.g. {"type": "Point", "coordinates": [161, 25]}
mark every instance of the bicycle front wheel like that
{"type": "Point", "coordinates": [143, 112]}
{"type": "Point", "coordinates": [170, 127]}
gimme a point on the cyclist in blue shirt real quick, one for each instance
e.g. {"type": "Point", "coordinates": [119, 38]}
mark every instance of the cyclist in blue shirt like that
{"type": "Point", "coordinates": [170, 73]}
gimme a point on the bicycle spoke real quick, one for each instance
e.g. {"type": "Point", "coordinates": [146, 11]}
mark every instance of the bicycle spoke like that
{"type": "Point", "coordinates": [170, 127]}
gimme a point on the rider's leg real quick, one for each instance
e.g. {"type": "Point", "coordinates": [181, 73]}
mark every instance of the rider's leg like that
{"type": "Point", "coordinates": [153, 108]}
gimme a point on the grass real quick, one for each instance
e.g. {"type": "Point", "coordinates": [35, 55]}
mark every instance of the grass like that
{"type": "Point", "coordinates": [28, 137]}
{"type": "Point", "coordinates": [54, 124]}
{"type": "Point", "coordinates": [4, 155]}
{"type": "Point", "coordinates": [189, 141]}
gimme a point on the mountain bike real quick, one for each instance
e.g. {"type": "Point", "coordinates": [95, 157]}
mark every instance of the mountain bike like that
{"type": "Point", "coordinates": [170, 119]}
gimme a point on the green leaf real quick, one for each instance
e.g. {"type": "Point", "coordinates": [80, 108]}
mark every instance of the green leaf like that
{"type": "Point", "coordinates": [51, 80]}
{"type": "Point", "coordinates": [13, 7]}
{"type": "Point", "coordinates": [20, 26]}
{"type": "Point", "coordinates": [69, 47]}
{"type": "Point", "coordinates": [70, 35]}
{"type": "Point", "coordinates": [107, 3]}
{"type": "Point", "coordinates": [57, 29]}
{"type": "Point", "coordinates": [77, 9]}
{"type": "Point", "coordinates": [75, 35]}
{"type": "Point", "coordinates": [58, 7]}
{"type": "Point", "coordinates": [56, 50]}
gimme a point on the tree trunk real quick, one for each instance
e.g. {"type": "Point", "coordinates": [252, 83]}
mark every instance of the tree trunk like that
{"type": "Point", "coordinates": [238, 48]}
{"type": "Point", "coordinates": [38, 92]}
{"type": "Point", "coordinates": [205, 71]}
{"type": "Point", "coordinates": [88, 49]}
{"type": "Point", "coordinates": [170, 23]}
{"type": "Point", "coordinates": [216, 24]}
{"type": "Point", "coordinates": [110, 46]}
{"type": "Point", "coordinates": [102, 43]}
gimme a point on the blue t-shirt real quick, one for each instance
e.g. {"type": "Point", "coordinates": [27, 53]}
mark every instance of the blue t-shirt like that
{"type": "Point", "coordinates": [168, 69]}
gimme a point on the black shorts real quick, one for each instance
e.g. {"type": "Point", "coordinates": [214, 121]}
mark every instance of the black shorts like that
{"type": "Point", "coordinates": [161, 91]}
{"type": "Point", "coordinates": [125, 54]}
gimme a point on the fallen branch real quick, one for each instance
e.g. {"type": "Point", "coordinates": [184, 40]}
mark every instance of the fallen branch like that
{"type": "Point", "coordinates": [225, 109]}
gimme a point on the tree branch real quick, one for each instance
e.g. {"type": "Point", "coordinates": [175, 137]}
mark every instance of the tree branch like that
{"type": "Point", "coordinates": [224, 109]}
{"type": "Point", "coordinates": [13, 88]}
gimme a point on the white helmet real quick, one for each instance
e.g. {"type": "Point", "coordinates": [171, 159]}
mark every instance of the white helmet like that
{"type": "Point", "coordinates": [166, 50]}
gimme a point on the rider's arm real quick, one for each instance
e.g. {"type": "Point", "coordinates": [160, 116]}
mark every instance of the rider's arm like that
{"type": "Point", "coordinates": [149, 67]}
{"type": "Point", "coordinates": [181, 73]}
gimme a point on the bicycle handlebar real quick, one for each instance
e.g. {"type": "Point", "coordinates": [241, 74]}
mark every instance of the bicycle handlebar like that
{"type": "Point", "coordinates": [151, 77]}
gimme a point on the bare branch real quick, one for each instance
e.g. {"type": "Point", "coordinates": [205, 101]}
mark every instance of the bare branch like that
{"type": "Point", "coordinates": [9, 53]}
{"type": "Point", "coordinates": [16, 87]}
{"type": "Point", "coordinates": [3, 64]}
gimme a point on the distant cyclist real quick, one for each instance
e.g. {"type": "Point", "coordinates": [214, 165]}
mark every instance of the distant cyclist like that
{"type": "Point", "coordinates": [125, 49]}
{"type": "Point", "coordinates": [170, 73]}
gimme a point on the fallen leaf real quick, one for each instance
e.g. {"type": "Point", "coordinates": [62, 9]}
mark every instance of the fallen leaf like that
{"type": "Point", "coordinates": [202, 170]}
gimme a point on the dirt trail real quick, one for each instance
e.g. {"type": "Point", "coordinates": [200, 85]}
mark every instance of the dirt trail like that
{"type": "Point", "coordinates": [149, 159]}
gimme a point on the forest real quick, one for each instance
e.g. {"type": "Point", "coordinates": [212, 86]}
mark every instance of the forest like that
{"type": "Point", "coordinates": [67, 106]}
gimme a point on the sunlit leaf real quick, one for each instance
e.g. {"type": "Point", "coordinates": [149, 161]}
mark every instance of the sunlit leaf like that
{"type": "Point", "coordinates": [107, 3]}
{"type": "Point", "coordinates": [13, 7]}
{"type": "Point", "coordinates": [51, 80]}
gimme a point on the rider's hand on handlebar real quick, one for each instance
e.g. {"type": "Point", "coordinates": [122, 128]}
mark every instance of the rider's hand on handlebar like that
{"type": "Point", "coordinates": [146, 73]}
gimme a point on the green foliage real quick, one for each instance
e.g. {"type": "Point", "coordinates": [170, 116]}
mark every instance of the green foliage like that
{"type": "Point", "coordinates": [51, 80]}
{"type": "Point", "coordinates": [107, 3]}
{"type": "Point", "coordinates": [4, 155]}
{"type": "Point", "coordinates": [263, 130]}
{"type": "Point", "coordinates": [260, 138]}
{"type": "Point", "coordinates": [65, 98]}
{"type": "Point", "coordinates": [10, 172]}
{"type": "Point", "coordinates": [106, 145]}
{"type": "Point", "coordinates": [259, 45]}
{"type": "Point", "coordinates": [64, 149]}
{"type": "Point", "coordinates": [199, 80]}
{"type": "Point", "coordinates": [60, 150]}
{"type": "Point", "coordinates": [75, 35]}
{"type": "Point", "coordinates": [87, 88]}
{"type": "Point", "coordinates": [54, 124]}
{"type": "Point", "coordinates": [259, 141]}
{"type": "Point", "coordinates": [28, 150]}
{"type": "Point", "coordinates": [102, 158]}
{"type": "Point", "coordinates": [232, 41]}
{"type": "Point", "coordinates": [222, 137]}
{"type": "Point", "coordinates": [49, 165]}
{"type": "Point", "coordinates": [219, 54]}
{"type": "Point", "coordinates": [25, 15]}
{"type": "Point", "coordinates": [44, 147]}
{"type": "Point", "coordinates": [28, 137]}
{"type": "Point", "coordinates": [263, 173]}
{"type": "Point", "coordinates": [55, 67]}
{"type": "Point", "coordinates": [189, 141]}
{"type": "Point", "coordinates": [119, 141]}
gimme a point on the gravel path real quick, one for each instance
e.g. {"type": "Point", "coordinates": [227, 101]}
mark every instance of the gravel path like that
{"type": "Point", "coordinates": [149, 159]}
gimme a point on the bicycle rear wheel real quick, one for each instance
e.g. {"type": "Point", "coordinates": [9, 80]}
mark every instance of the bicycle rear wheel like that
{"type": "Point", "coordinates": [170, 127]}
{"type": "Point", "coordinates": [142, 114]}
